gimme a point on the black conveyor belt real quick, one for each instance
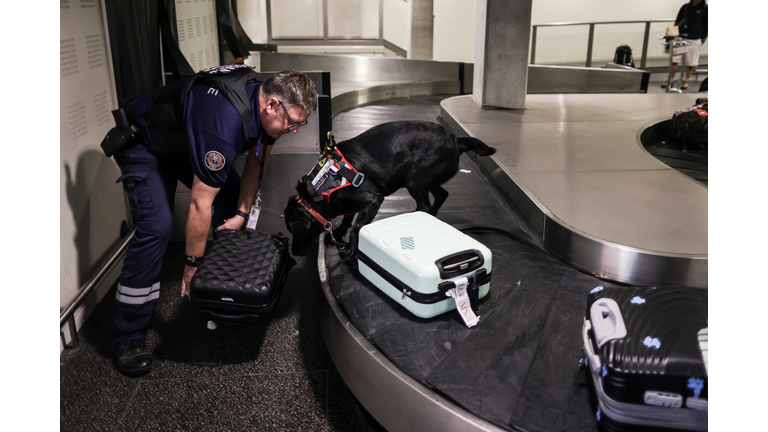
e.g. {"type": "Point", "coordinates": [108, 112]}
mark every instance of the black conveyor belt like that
{"type": "Point", "coordinates": [518, 367]}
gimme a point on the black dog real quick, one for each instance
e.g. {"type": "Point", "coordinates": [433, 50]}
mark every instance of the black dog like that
{"type": "Point", "coordinates": [419, 156]}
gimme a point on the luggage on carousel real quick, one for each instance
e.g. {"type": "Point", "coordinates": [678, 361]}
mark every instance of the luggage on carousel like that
{"type": "Point", "coordinates": [425, 265]}
{"type": "Point", "coordinates": [241, 277]}
{"type": "Point", "coordinates": [690, 125]}
{"type": "Point", "coordinates": [646, 357]}
{"type": "Point", "coordinates": [623, 56]}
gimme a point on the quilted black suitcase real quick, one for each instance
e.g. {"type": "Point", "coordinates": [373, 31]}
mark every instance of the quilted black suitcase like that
{"type": "Point", "coordinates": [241, 277]}
{"type": "Point", "coordinates": [646, 357]}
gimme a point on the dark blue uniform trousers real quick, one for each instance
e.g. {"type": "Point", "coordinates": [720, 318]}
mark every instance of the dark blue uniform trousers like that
{"type": "Point", "coordinates": [150, 185]}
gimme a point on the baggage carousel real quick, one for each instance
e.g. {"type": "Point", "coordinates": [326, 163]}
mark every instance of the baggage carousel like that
{"type": "Point", "coordinates": [517, 370]}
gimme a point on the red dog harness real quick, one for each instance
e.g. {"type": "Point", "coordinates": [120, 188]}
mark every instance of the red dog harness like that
{"type": "Point", "coordinates": [331, 173]}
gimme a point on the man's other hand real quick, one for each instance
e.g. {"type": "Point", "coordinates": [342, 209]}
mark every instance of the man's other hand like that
{"type": "Point", "coordinates": [186, 279]}
{"type": "Point", "coordinates": [235, 223]}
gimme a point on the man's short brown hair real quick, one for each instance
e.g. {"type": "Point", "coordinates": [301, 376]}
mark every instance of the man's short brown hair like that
{"type": "Point", "coordinates": [292, 88]}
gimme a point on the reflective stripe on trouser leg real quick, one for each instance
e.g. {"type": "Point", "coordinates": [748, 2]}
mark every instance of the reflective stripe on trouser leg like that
{"type": "Point", "coordinates": [135, 307]}
{"type": "Point", "coordinates": [137, 296]}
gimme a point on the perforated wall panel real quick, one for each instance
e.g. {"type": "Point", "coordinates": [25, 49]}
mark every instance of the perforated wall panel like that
{"type": "Point", "coordinates": [196, 24]}
{"type": "Point", "coordinates": [92, 205]}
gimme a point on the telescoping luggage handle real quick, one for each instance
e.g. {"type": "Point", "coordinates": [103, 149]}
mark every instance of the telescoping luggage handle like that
{"type": "Point", "coordinates": [607, 322]}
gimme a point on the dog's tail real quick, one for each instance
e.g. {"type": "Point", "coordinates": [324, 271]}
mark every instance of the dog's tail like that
{"type": "Point", "coordinates": [474, 145]}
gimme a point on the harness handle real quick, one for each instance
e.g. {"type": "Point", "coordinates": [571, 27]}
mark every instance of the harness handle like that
{"type": "Point", "coordinates": [358, 180]}
{"type": "Point", "coordinates": [330, 143]}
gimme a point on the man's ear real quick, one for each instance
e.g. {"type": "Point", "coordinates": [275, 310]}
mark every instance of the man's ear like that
{"type": "Point", "coordinates": [273, 106]}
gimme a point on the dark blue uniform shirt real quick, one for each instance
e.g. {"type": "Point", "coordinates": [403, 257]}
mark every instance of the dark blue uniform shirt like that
{"type": "Point", "coordinates": [215, 132]}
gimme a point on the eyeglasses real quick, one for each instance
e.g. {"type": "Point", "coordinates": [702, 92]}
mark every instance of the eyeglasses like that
{"type": "Point", "coordinates": [294, 125]}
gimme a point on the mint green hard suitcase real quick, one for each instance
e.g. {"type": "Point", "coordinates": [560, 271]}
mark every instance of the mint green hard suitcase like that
{"type": "Point", "coordinates": [422, 263]}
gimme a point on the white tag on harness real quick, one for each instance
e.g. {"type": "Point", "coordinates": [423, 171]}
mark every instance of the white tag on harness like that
{"type": "Point", "coordinates": [461, 297]}
{"type": "Point", "coordinates": [320, 178]}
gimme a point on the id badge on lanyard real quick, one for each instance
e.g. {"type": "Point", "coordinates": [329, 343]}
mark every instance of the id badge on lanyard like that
{"type": "Point", "coordinates": [253, 215]}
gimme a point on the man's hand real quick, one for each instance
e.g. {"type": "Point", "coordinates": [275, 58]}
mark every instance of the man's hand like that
{"type": "Point", "coordinates": [235, 223]}
{"type": "Point", "coordinates": [185, 281]}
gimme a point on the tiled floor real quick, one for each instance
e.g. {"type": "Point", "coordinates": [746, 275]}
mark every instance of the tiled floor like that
{"type": "Point", "coordinates": [273, 377]}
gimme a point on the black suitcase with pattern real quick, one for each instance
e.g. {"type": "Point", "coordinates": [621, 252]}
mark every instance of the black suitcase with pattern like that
{"type": "Point", "coordinates": [646, 357]}
{"type": "Point", "coordinates": [241, 277]}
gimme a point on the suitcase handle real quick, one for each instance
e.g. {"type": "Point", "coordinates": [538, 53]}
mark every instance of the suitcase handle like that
{"type": "Point", "coordinates": [461, 265]}
{"type": "Point", "coordinates": [607, 322]}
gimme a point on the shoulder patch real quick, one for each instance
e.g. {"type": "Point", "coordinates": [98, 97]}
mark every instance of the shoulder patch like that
{"type": "Point", "coordinates": [214, 160]}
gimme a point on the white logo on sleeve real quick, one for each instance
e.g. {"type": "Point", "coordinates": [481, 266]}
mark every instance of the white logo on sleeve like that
{"type": "Point", "coordinates": [214, 160]}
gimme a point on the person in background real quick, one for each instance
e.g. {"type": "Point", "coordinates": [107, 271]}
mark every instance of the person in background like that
{"type": "Point", "coordinates": [692, 22]}
{"type": "Point", "coordinates": [212, 138]}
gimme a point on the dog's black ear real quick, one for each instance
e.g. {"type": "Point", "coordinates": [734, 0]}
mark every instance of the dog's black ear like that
{"type": "Point", "coordinates": [300, 224]}
{"type": "Point", "coordinates": [290, 210]}
{"type": "Point", "coordinates": [301, 230]}
{"type": "Point", "coordinates": [300, 187]}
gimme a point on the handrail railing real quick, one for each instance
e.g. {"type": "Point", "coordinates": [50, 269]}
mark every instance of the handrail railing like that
{"type": "Point", "coordinates": [591, 25]}
{"type": "Point", "coordinates": [67, 314]}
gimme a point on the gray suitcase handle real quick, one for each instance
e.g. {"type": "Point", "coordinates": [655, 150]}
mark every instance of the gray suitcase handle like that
{"type": "Point", "coordinates": [607, 322]}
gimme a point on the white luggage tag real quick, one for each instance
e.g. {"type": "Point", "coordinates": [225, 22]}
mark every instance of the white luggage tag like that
{"type": "Point", "coordinates": [253, 216]}
{"type": "Point", "coordinates": [459, 294]}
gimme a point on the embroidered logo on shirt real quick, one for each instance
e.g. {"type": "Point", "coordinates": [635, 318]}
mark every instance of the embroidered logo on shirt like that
{"type": "Point", "coordinates": [214, 160]}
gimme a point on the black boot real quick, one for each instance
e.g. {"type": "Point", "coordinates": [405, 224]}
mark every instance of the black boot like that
{"type": "Point", "coordinates": [133, 359]}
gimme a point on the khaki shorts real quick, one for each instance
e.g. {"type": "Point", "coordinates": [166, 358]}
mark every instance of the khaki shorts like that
{"type": "Point", "coordinates": [692, 55]}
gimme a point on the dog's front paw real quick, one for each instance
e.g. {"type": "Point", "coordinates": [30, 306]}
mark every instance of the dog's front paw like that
{"type": "Point", "coordinates": [346, 254]}
{"type": "Point", "coordinates": [350, 261]}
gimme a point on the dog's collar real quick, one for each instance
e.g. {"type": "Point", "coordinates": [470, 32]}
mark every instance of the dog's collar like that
{"type": "Point", "coordinates": [326, 224]}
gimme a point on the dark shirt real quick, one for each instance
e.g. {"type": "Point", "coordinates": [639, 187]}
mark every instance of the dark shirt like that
{"type": "Point", "coordinates": [215, 132]}
{"type": "Point", "coordinates": [695, 25]}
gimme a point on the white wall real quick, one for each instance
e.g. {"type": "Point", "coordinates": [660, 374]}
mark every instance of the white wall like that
{"type": "Point", "coordinates": [397, 23]}
{"type": "Point", "coordinates": [454, 28]}
{"type": "Point", "coordinates": [252, 15]}
{"type": "Point", "coordinates": [92, 205]}
{"type": "Point", "coordinates": [198, 38]}
{"type": "Point", "coordinates": [297, 18]}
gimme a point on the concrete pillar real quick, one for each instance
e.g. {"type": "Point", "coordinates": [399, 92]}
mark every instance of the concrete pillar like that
{"type": "Point", "coordinates": [501, 53]}
{"type": "Point", "coordinates": [422, 29]}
